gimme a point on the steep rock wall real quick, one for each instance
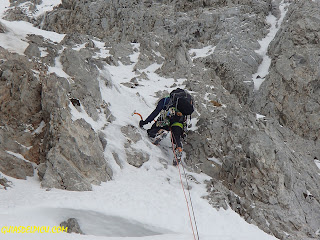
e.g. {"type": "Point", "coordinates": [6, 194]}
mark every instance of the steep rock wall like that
{"type": "Point", "coordinates": [291, 92]}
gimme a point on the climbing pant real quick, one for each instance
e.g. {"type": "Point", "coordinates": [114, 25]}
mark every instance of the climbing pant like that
{"type": "Point", "coordinates": [176, 133]}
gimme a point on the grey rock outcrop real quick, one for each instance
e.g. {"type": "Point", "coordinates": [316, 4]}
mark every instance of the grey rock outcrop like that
{"type": "Point", "coordinates": [73, 157]}
{"type": "Point", "coordinates": [20, 93]}
{"type": "Point", "coordinates": [85, 72]}
{"type": "Point", "coordinates": [14, 166]}
{"type": "Point", "coordinates": [36, 123]}
{"type": "Point", "coordinates": [22, 10]}
{"type": "Point", "coordinates": [2, 28]}
{"type": "Point", "coordinates": [72, 225]}
{"type": "Point", "coordinates": [4, 183]}
{"type": "Point", "coordinates": [135, 157]}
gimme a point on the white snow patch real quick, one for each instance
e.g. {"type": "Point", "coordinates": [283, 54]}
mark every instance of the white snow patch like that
{"type": "Point", "coordinates": [268, 224]}
{"type": "Point", "coordinates": [134, 57]}
{"type": "Point", "coordinates": [58, 69]}
{"type": "Point", "coordinates": [192, 125]}
{"type": "Point", "coordinates": [263, 69]}
{"type": "Point", "coordinates": [46, 6]}
{"type": "Point", "coordinates": [317, 162]}
{"type": "Point", "coordinates": [96, 125]}
{"type": "Point", "coordinates": [24, 146]}
{"type": "Point", "coordinates": [104, 52]}
{"type": "Point", "coordinates": [215, 160]}
{"type": "Point", "coordinates": [4, 5]}
{"type": "Point", "coordinates": [258, 116]}
{"type": "Point", "coordinates": [206, 97]}
{"type": "Point", "coordinates": [43, 52]}
{"type": "Point", "coordinates": [202, 52]}
{"type": "Point", "coordinates": [21, 28]}
{"type": "Point", "coordinates": [79, 47]}
{"type": "Point", "coordinates": [14, 39]}
{"type": "Point", "coordinates": [12, 43]}
{"type": "Point", "coordinates": [286, 233]}
{"type": "Point", "coordinates": [18, 155]}
{"type": "Point", "coordinates": [40, 128]}
{"type": "Point", "coordinates": [158, 54]}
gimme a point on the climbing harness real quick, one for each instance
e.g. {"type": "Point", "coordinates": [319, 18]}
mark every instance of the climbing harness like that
{"type": "Point", "coordinates": [184, 192]}
{"type": "Point", "coordinates": [162, 120]}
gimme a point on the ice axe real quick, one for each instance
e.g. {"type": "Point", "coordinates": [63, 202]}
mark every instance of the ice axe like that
{"type": "Point", "coordinates": [135, 112]}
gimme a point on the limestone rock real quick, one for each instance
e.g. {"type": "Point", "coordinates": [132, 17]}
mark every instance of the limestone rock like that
{"type": "Point", "coordinates": [72, 225]}
{"type": "Point", "coordinates": [36, 123]}
{"type": "Point", "coordinates": [291, 92]}
{"type": "Point", "coordinates": [74, 154]}
{"type": "Point", "coordinates": [135, 157]}
{"type": "Point", "coordinates": [21, 116]}
{"type": "Point", "coordinates": [20, 92]}
{"type": "Point", "coordinates": [4, 183]}
{"type": "Point", "coordinates": [14, 166]}
{"type": "Point", "coordinates": [2, 28]}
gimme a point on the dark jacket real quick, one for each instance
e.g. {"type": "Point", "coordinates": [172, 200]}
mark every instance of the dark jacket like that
{"type": "Point", "coordinates": [162, 105]}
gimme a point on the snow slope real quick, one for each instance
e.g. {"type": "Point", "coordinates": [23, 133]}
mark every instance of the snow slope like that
{"type": "Point", "coordinates": [139, 203]}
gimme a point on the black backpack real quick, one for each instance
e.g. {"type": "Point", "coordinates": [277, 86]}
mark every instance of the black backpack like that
{"type": "Point", "coordinates": [181, 100]}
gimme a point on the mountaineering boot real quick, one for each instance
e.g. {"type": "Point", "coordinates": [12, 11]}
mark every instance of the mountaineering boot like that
{"type": "Point", "coordinates": [178, 155]}
{"type": "Point", "coordinates": [161, 134]}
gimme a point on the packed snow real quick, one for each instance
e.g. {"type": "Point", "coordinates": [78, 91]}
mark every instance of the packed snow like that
{"type": "Point", "coordinates": [4, 5]}
{"type": "Point", "coordinates": [138, 203]}
{"type": "Point", "coordinates": [263, 69]}
{"type": "Point", "coordinates": [201, 52]}
{"type": "Point", "coordinates": [14, 37]}
{"type": "Point", "coordinates": [317, 162]}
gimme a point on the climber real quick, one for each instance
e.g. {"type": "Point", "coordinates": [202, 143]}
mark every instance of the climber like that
{"type": "Point", "coordinates": [173, 111]}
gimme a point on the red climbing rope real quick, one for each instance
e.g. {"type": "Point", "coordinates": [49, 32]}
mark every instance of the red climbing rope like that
{"type": "Point", "coordinates": [184, 192]}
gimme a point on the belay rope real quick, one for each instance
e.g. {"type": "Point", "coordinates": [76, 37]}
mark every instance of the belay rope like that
{"type": "Point", "coordinates": [184, 192]}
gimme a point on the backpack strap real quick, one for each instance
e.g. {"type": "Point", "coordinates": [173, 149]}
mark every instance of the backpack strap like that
{"type": "Point", "coordinates": [165, 101]}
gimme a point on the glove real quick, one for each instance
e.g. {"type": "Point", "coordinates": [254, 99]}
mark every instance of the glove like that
{"type": "Point", "coordinates": [141, 123]}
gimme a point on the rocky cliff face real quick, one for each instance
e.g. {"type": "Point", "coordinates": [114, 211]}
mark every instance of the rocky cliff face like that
{"type": "Point", "coordinates": [262, 167]}
{"type": "Point", "coordinates": [37, 129]}
{"type": "Point", "coordinates": [291, 92]}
